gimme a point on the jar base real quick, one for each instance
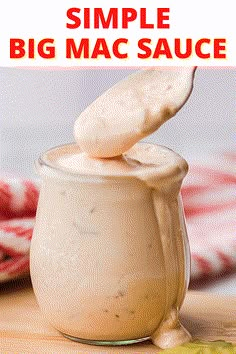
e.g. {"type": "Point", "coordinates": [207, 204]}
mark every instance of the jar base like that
{"type": "Point", "coordinates": [105, 342]}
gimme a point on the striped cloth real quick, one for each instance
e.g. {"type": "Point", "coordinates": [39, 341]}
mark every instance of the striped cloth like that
{"type": "Point", "coordinates": [210, 209]}
{"type": "Point", "coordinates": [18, 203]}
{"type": "Point", "coordinates": [209, 202]}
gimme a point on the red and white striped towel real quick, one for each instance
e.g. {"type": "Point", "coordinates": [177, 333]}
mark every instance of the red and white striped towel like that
{"type": "Point", "coordinates": [209, 202]}
{"type": "Point", "coordinates": [210, 207]}
{"type": "Point", "coordinates": [18, 203]}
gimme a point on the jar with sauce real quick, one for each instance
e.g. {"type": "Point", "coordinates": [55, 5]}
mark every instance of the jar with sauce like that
{"type": "Point", "coordinates": [109, 253]}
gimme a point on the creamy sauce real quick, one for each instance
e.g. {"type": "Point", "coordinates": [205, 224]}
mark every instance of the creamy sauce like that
{"type": "Point", "coordinates": [132, 109]}
{"type": "Point", "coordinates": [140, 159]}
{"type": "Point", "coordinates": [111, 251]}
{"type": "Point", "coordinates": [132, 231]}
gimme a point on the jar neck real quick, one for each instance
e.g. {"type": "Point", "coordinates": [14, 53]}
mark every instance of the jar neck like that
{"type": "Point", "coordinates": [156, 166]}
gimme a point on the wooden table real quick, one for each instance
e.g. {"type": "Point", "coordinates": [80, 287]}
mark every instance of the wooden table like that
{"type": "Point", "coordinates": [24, 330]}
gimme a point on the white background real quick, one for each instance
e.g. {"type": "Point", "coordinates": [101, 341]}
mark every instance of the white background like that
{"type": "Point", "coordinates": [42, 19]}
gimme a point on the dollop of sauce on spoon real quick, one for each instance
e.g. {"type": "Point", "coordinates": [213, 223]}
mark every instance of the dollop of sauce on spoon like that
{"type": "Point", "coordinates": [132, 109]}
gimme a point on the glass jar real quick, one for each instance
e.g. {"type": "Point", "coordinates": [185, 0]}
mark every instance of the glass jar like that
{"type": "Point", "coordinates": [109, 255]}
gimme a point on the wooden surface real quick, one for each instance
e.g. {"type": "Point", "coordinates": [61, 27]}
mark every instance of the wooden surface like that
{"type": "Point", "coordinates": [24, 330]}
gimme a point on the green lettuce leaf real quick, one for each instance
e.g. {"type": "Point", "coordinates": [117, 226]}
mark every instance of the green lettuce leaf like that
{"type": "Point", "coordinates": [201, 347]}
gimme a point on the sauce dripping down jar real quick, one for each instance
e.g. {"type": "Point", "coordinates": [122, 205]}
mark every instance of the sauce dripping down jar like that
{"type": "Point", "coordinates": [109, 253]}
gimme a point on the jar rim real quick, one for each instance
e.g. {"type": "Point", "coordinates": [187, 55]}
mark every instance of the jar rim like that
{"type": "Point", "coordinates": [46, 163]}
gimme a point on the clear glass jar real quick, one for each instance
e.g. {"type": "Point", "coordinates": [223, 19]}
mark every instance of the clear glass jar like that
{"type": "Point", "coordinates": [109, 254]}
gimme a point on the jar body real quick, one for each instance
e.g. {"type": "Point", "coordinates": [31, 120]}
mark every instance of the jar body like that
{"type": "Point", "coordinates": [102, 262]}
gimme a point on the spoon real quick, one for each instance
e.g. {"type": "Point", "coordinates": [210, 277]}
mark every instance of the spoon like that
{"type": "Point", "coordinates": [132, 109]}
